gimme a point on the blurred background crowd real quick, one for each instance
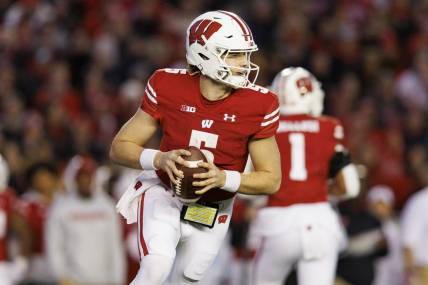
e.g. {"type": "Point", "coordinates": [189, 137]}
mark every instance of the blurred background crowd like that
{"type": "Point", "coordinates": [72, 72]}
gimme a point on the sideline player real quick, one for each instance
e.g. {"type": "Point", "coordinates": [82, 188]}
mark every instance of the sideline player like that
{"type": "Point", "coordinates": [298, 227]}
{"type": "Point", "coordinates": [214, 106]}
{"type": "Point", "coordinates": [11, 271]}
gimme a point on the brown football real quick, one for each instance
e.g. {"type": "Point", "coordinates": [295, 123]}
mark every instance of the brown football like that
{"type": "Point", "coordinates": [184, 190]}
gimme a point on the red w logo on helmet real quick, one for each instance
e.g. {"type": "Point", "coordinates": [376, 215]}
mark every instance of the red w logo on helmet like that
{"type": "Point", "coordinates": [304, 85]}
{"type": "Point", "coordinates": [201, 28]}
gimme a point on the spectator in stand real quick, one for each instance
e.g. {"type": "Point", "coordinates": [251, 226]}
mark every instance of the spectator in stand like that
{"type": "Point", "coordinates": [412, 85]}
{"type": "Point", "coordinates": [83, 234]}
{"type": "Point", "coordinates": [33, 206]}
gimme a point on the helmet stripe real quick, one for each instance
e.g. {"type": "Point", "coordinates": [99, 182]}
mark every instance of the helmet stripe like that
{"type": "Point", "coordinates": [244, 27]}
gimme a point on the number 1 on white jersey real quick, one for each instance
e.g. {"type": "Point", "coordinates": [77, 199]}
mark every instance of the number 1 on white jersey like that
{"type": "Point", "coordinates": [298, 170]}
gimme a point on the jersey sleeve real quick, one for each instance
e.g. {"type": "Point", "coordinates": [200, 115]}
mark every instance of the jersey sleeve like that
{"type": "Point", "coordinates": [150, 100]}
{"type": "Point", "coordinates": [270, 120]}
{"type": "Point", "coordinates": [340, 156]}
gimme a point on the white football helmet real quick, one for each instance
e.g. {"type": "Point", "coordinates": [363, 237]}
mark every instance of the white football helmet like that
{"type": "Point", "coordinates": [4, 173]}
{"type": "Point", "coordinates": [211, 37]}
{"type": "Point", "coordinates": [299, 92]}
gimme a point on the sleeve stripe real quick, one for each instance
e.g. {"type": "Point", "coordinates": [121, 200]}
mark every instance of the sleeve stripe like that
{"type": "Point", "coordinates": [151, 98]}
{"type": "Point", "coordinates": [271, 114]}
{"type": "Point", "coordinates": [264, 124]}
{"type": "Point", "coordinates": [151, 89]}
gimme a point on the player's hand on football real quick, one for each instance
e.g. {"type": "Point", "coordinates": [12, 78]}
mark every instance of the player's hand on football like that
{"type": "Point", "coordinates": [213, 178]}
{"type": "Point", "coordinates": [167, 162]}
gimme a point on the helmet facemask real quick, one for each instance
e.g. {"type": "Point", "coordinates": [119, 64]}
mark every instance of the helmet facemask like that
{"type": "Point", "coordinates": [235, 76]}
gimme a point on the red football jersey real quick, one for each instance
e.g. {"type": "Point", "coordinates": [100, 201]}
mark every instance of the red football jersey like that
{"type": "Point", "coordinates": [34, 210]}
{"type": "Point", "coordinates": [221, 128]}
{"type": "Point", "coordinates": [7, 200]}
{"type": "Point", "coordinates": [307, 145]}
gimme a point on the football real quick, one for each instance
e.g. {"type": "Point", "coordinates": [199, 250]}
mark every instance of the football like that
{"type": "Point", "coordinates": [184, 190]}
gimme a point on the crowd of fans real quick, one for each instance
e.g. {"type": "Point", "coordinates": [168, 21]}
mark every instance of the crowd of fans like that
{"type": "Point", "coordinates": [72, 72]}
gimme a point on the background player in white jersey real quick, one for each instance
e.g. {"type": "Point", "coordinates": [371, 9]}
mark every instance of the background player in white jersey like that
{"type": "Point", "coordinates": [298, 227]}
{"type": "Point", "coordinates": [83, 232]}
{"type": "Point", "coordinates": [213, 106]}
{"type": "Point", "coordinates": [414, 231]}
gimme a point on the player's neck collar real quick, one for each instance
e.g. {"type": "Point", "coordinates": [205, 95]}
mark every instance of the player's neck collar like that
{"type": "Point", "coordinates": [210, 89]}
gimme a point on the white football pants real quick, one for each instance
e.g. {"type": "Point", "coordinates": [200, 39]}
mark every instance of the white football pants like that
{"type": "Point", "coordinates": [306, 236]}
{"type": "Point", "coordinates": [160, 232]}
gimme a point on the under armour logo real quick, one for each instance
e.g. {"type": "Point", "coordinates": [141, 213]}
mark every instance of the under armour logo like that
{"type": "Point", "coordinates": [207, 123]}
{"type": "Point", "coordinates": [222, 219]}
{"type": "Point", "coordinates": [231, 118]}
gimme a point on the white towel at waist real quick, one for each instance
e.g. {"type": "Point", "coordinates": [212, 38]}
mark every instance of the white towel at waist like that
{"type": "Point", "coordinates": [128, 203]}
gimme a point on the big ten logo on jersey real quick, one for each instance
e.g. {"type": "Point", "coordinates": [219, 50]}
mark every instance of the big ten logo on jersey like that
{"type": "Point", "coordinates": [188, 109]}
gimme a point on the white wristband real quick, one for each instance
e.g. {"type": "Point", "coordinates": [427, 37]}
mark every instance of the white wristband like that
{"type": "Point", "coordinates": [147, 159]}
{"type": "Point", "coordinates": [233, 181]}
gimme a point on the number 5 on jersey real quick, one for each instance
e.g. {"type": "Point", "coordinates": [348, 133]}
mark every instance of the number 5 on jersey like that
{"type": "Point", "coordinates": [209, 140]}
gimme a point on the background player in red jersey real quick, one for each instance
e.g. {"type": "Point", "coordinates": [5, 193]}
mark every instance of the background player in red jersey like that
{"type": "Point", "coordinates": [298, 227]}
{"type": "Point", "coordinates": [213, 106]}
{"type": "Point", "coordinates": [43, 182]}
{"type": "Point", "coordinates": [12, 268]}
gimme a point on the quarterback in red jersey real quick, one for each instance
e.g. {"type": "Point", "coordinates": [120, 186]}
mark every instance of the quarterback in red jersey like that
{"type": "Point", "coordinates": [298, 227]}
{"type": "Point", "coordinates": [213, 106]}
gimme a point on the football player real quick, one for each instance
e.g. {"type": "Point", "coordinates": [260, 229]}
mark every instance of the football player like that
{"type": "Point", "coordinates": [12, 268]}
{"type": "Point", "coordinates": [215, 106]}
{"type": "Point", "coordinates": [33, 206]}
{"type": "Point", "coordinates": [298, 227]}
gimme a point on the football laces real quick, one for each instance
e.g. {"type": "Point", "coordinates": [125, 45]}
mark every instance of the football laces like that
{"type": "Point", "coordinates": [178, 186]}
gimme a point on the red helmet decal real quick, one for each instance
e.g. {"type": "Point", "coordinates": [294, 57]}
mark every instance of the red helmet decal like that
{"type": "Point", "coordinates": [201, 28]}
{"type": "Point", "coordinates": [304, 85]}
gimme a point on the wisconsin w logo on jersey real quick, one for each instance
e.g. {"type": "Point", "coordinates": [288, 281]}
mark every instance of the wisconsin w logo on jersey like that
{"type": "Point", "coordinates": [203, 30]}
{"type": "Point", "coordinates": [207, 123]}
